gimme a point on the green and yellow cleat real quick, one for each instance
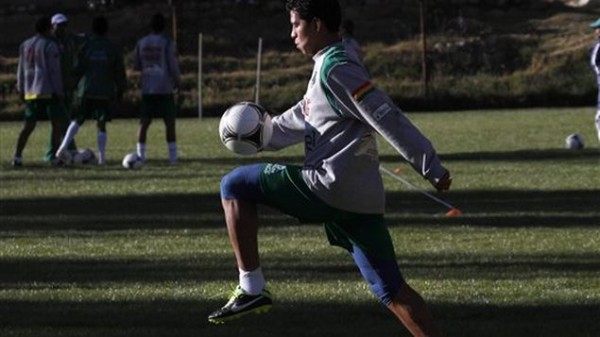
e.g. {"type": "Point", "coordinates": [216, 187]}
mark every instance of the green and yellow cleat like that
{"type": "Point", "coordinates": [240, 304]}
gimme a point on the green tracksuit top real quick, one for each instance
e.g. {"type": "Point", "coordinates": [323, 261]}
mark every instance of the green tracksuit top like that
{"type": "Point", "coordinates": [337, 120]}
{"type": "Point", "coordinates": [68, 46]}
{"type": "Point", "coordinates": [99, 69]}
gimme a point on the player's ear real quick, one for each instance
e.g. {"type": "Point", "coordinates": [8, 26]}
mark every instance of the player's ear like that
{"type": "Point", "coordinates": [317, 24]}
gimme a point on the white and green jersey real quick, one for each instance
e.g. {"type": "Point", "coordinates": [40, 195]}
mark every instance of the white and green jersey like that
{"type": "Point", "coordinates": [337, 120]}
{"type": "Point", "coordinates": [39, 71]}
{"type": "Point", "coordinates": [155, 56]}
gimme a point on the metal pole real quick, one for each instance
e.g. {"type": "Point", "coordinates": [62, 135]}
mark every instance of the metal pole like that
{"type": "Point", "coordinates": [453, 211]}
{"type": "Point", "coordinates": [174, 17]}
{"type": "Point", "coordinates": [258, 62]}
{"type": "Point", "coordinates": [424, 74]}
{"type": "Point", "coordinates": [200, 75]}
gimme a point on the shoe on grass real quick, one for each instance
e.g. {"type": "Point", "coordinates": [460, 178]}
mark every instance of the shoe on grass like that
{"type": "Point", "coordinates": [55, 162]}
{"type": "Point", "coordinates": [240, 304]}
{"type": "Point", "coordinates": [17, 162]}
{"type": "Point", "coordinates": [64, 156]}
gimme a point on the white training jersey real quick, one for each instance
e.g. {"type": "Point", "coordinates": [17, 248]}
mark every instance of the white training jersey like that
{"type": "Point", "coordinates": [155, 56]}
{"type": "Point", "coordinates": [337, 120]}
{"type": "Point", "coordinates": [39, 72]}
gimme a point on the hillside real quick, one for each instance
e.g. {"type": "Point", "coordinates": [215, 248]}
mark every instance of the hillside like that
{"type": "Point", "coordinates": [480, 53]}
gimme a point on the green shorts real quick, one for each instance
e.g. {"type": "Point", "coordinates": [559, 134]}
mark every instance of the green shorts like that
{"type": "Point", "coordinates": [285, 189]}
{"type": "Point", "coordinates": [98, 109]}
{"type": "Point", "coordinates": [44, 108]}
{"type": "Point", "coordinates": [162, 106]}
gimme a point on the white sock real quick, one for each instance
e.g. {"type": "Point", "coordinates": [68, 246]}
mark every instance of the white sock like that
{"type": "Point", "coordinates": [172, 152]}
{"type": "Point", "coordinates": [69, 135]}
{"type": "Point", "coordinates": [141, 150]}
{"type": "Point", "coordinates": [252, 282]}
{"type": "Point", "coordinates": [102, 139]}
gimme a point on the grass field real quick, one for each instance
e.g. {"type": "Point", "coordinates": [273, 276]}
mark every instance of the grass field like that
{"type": "Point", "coordinates": [89, 251]}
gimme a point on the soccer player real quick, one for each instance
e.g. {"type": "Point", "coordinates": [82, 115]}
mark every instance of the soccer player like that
{"type": "Point", "coordinates": [100, 74]}
{"type": "Point", "coordinates": [339, 183]}
{"type": "Point", "coordinates": [67, 45]}
{"type": "Point", "coordinates": [595, 62]}
{"type": "Point", "coordinates": [40, 84]}
{"type": "Point", "coordinates": [155, 55]}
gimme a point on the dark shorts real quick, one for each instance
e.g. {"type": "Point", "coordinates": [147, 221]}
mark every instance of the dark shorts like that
{"type": "Point", "coordinates": [98, 109]}
{"type": "Point", "coordinates": [159, 106]}
{"type": "Point", "coordinates": [44, 108]}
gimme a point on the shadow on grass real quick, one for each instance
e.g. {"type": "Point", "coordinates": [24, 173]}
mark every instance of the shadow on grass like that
{"type": "Point", "coordinates": [480, 208]}
{"type": "Point", "coordinates": [306, 319]}
{"type": "Point", "coordinates": [29, 273]}
{"type": "Point", "coordinates": [499, 208]}
{"type": "Point", "coordinates": [186, 317]}
{"type": "Point", "coordinates": [386, 159]}
{"type": "Point", "coordinates": [522, 155]}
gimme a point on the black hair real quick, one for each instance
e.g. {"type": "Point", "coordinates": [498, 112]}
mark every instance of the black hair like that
{"type": "Point", "coordinates": [158, 22]}
{"type": "Point", "coordinates": [43, 25]}
{"type": "Point", "coordinates": [328, 11]}
{"type": "Point", "coordinates": [100, 25]}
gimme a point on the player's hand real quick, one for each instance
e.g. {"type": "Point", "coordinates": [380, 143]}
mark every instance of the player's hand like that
{"type": "Point", "coordinates": [443, 184]}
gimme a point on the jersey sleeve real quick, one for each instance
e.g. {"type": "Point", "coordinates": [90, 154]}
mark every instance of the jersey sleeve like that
{"type": "Point", "coordinates": [361, 99]}
{"type": "Point", "coordinates": [80, 62]}
{"type": "Point", "coordinates": [595, 58]}
{"type": "Point", "coordinates": [21, 70]}
{"type": "Point", "coordinates": [288, 128]}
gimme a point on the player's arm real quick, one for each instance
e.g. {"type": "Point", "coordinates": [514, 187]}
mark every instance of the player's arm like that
{"type": "Point", "coordinates": [288, 128]}
{"type": "Point", "coordinates": [20, 86]}
{"type": "Point", "coordinates": [80, 64]}
{"type": "Point", "coordinates": [595, 58]}
{"type": "Point", "coordinates": [119, 75]}
{"type": "Point", "coordinates": [360, 99]}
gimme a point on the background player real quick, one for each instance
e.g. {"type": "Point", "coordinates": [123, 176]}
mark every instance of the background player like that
{"type": "Point", "coordinates": [100, 74]}
{"type": "Point", "coordinates": [155, 55]}
{"type": "Point", "coordinates": [40, 84]}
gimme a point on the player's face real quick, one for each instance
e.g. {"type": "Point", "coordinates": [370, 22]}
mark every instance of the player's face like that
{"type": "Point", "coordinates": [303, 34]}
{"type": "Point", "coordinates": [59, 29]}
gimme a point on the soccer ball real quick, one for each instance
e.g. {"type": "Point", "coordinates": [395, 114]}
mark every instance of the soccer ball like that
{"type": "Point", "coordinates": [245, 128]}
{"type": "Point", "coordinates": [131, 161]}
{"type": "Point", "coordinates": [574, 142]}
{"type": "Point", "coordinates": [82, 157]}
